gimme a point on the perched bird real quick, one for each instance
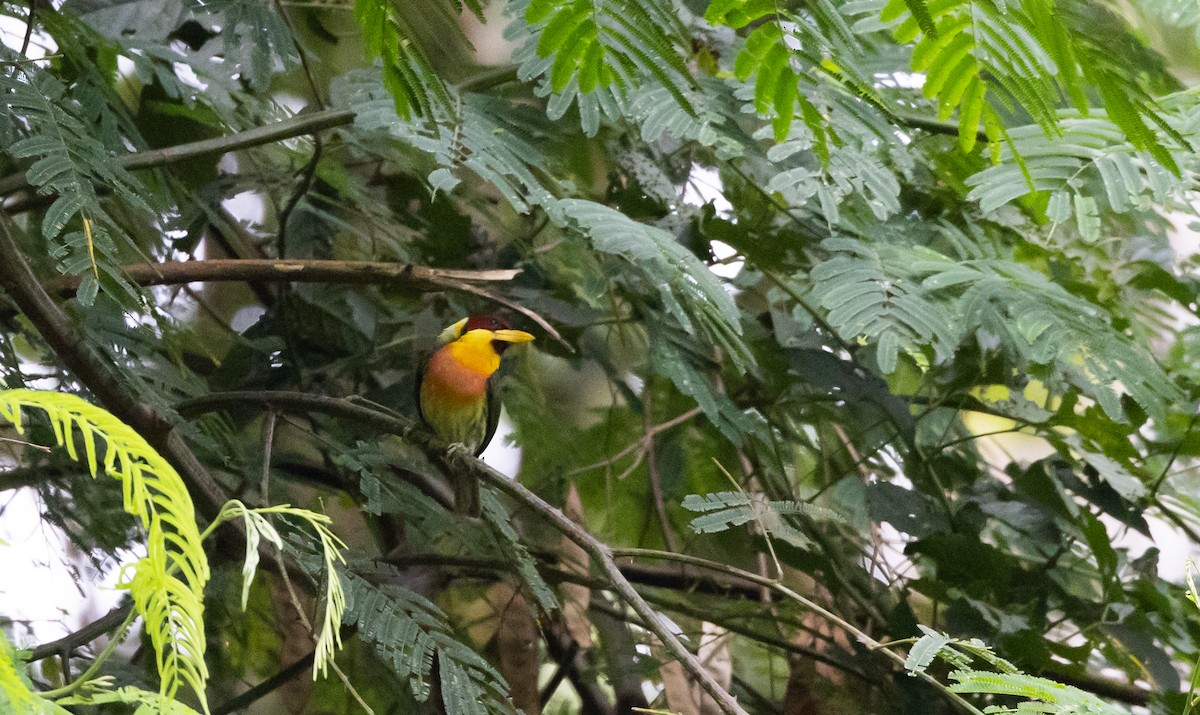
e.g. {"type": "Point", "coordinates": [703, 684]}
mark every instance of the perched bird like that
{"type": "Point", "coordinates": [455, 395]}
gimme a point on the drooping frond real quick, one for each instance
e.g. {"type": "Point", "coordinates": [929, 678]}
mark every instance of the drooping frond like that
{"type": "Point", "coordinates": [408, 73]}
{"type": "Point", "coordinates": [724, 510]}
{"type": "Point", "coordinates": [167, 585]}
{"type": "Point", "coordinates": [793, 58]}
{"type": "Point", "coordinates": [70, 162]}
{"type": "Point", "coordinates": [689, 292]}
{"type": "Point", "coordinates": [593, 53]}
{"type": "Point", "coordinates": [410, 633]}
{"type": "Point", "coordinates": [258, 527]}
{"type": "Point", "coordinates": [501, 142]}
{"type": "Point", "coordinates": [496, 517]}
{"type": "Point", "coordinates": [1092, 160]}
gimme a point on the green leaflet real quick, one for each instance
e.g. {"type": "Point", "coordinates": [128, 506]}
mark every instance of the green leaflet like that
{"type": "Point", "coordinates": [690, 293]}
{"type": "Point", "coordinates": [592, 54]}
{"type": "Point", "coordinates": [410, 632]}
{"type": "Point", "coordinates": [167, 585]}
{"type": "Point", "coordinates": [725, 510]}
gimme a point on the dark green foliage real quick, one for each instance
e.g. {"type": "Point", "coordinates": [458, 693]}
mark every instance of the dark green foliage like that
{"type": "Point", "coordinates": [890, 295]}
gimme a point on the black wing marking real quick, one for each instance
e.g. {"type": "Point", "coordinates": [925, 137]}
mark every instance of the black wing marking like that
{"type": "Point", "coordinates": [493, 417]}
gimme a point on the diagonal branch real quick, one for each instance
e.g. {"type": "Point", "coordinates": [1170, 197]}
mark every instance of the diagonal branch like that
{"type": "Point", "coordinates": [98, 373]}
{"type": "Point", "coordinates": [408, 429]}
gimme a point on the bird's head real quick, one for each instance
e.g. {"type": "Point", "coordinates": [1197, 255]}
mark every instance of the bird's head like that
{"type": "Point", "coordinates": [484, 330]}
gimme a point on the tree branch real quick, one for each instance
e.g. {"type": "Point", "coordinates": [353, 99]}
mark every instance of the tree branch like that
{"type": "Point", "coordinates": [98, 373]}
{"type": "Point", "coordinates": [457, 459]}
{"type": "Point", "coordinates": [292, 271]}
{"type": "Point", "coordinates": [87, 634]}
{"type": "Point", "coordinates": [296, 126]}
{"type": "Point", "coordinates": [264, 270]}
{"type": "Point", "coordinates": [265, 687]}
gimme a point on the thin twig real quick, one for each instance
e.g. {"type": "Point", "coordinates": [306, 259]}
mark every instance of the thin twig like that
{"type": "Point", "coordinates": [808, 603]}
{"type": "Point", "coordinates": [640, 442]}
{"type": "Point", "coordinates": [28, 28]}
{"type": "Point", "coordinates": [294, 271]}
{"type": "Point", "coordinates": [656, 491]}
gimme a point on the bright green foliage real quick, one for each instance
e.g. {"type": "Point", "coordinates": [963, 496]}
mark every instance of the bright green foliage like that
{"type": "Point", "coordinates": [167, 584]}
{"type": "Point", "coordinates": [16, 692]}
{"type": "Point", "coordinates": [1039, 695]}
{"type": "Point", "coordinates": [259, 527]}
{"type": "Point", "coordinates": [407, 71]}
{"type": "Point", "coordinates": [587, 50]}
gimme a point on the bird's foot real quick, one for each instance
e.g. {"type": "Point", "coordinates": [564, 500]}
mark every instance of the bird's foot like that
{"type": "Point", "coordinates": [458, 449]}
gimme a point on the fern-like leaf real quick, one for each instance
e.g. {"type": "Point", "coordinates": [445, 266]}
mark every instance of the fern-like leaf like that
{"type": "Point", "coordinates": [408, 74]}
{"type": "Point", "coordinates": [1092, 160]}
{"type": "Point", "coordinates": [167, 585]}
{"type": "Point", "coordinates": [497, 518]}
{"type": "Point", "coordinates": [258, 527]}
{"type": "Point", "coordinates": [690, 293]}
{"type": "Point", "coordinates": [410, 632]}
{"type": "Point", "coordinates": [724, 510]}
{"type": "Point", "coordinates": [592, 53]}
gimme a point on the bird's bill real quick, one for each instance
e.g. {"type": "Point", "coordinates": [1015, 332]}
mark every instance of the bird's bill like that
{"type": "Point", "coordinates": [512, 336]}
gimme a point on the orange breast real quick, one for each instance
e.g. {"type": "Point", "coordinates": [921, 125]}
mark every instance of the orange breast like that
{"type": "Point", "coordinates": [454, 400]}
{"type": "Point", "coordinates": [449, 380]}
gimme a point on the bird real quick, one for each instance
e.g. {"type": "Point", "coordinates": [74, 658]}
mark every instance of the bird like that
{"type": "Point", "coordinates": [456, 396]}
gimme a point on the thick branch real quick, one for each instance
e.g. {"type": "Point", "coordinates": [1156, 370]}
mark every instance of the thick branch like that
{"type": "Point", "coordinates": [87, 634]}
{"type": "Point", "coordinates": [288, 128]}
{"type": "Point", "coordinates": [98, 373]}
{"type": "Point", "coordinates": [600, 552]}
{"type": "Point", "coordinates": [292, 271]}
{"type": "Point", "coordinates": [265, 270]}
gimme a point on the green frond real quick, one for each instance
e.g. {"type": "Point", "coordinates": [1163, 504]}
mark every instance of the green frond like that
{"type": "Point", "coordinates": [594, 53]}
{"type": "Point", "coordinates": [509, 544]}
{"type": "Point", "coordinates": [167, 585]}
{"type": "Point", "coordinates": [69, 162]}
{"type": "Point", "coordinates": [792, 56]}
{"type": "Point", "coordinates": [410, 632]}
{"type": "Point", "coordinates": [17, 694]}
{"type": "Point", "coordinates": [1092, 159]}
{"type": "Point", "coordinates": [690, 293]}
{"type": "Point", "coordinates": [914, 300]}
{"type": "Point", "coordinates": [980, 55]}
{"type": "Point", "coordinates": [725, 510]}
{"type": "Point", "coordinates": [408, 74]}
{"type": "Point", "coordinates": [1038, 695]}
{"type": "Point", "coordinates": [502, 142]}
{"type": "Point", "coordinates": [258, 527]}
